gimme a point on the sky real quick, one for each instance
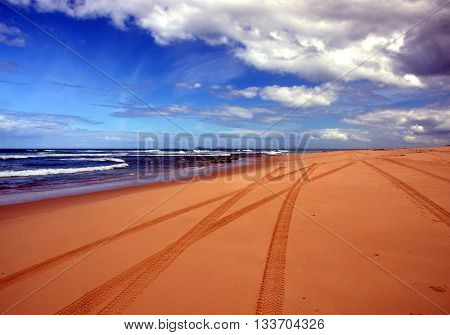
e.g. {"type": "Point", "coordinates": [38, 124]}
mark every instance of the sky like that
{"type": "Point", "coordinates": [340, 74]}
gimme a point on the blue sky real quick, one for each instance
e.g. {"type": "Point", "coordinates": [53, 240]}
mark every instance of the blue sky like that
{"type": "Point", "coordinates": [199, 74]}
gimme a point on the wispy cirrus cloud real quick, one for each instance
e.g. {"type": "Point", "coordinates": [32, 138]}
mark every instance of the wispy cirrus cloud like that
{"type": "Point", "coordinates": [23, 122]}
{"type": "Point", "coordinates": [189, 86]}
{"type": "Point", "coordinates": [229, 114]}
{"type": "Point", "coordinates": [11, 36]}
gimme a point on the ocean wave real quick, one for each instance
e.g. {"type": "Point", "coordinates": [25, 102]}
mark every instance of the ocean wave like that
{"type": "Point", "coordinates": [104, 159]}
{"type": "Point", "coordinates": [71, 155]}
{"type": "Point", "coordinates": [57, 155]}
{"type": "Point", "coordinates": [13, 156]}
{"type": "Point", "coordinates": [45, 172]}
{"type": "Point", "coordinates": [272, 153]}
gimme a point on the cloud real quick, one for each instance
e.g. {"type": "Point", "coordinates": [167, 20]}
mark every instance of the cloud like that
{"type": "Point", "coordinates": [339, 135]}
{"type": "Point", "coordinates": [422, 125]}
{"type": "Point", "coordinates": [189, 86]}
{"type": "Point", "coordinates": [26, 123]}
{"type": "Point", "coordinates": [249, 92]}
{"type": "Point", "coordinates": [222, 114]}
{"type": "Point", "coordinates": [426, 51]}
{"type": "Point", "coordinates": [11, 36]}
{"type": "Point", "coordinates": [7, 66]}
{"type": "Point", "coordinates": [318, 43]}
{"type": "Point", "coordinates": [291, 96]}
{"type": "Point", "coordinates": [297, 96]}
{"type": "Point", "coordinates": [67, 85]}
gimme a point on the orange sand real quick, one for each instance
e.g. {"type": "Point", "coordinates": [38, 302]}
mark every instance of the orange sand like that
{"type": "Point", "coordinates": [350, 232]}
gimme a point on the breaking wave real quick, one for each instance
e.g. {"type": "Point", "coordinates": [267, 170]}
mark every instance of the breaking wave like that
{"type": "Point", "coordinates": [45, 172]}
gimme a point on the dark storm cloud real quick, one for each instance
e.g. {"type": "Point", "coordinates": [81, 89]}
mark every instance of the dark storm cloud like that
{"type": "Point", "coordinates": [427, 49]}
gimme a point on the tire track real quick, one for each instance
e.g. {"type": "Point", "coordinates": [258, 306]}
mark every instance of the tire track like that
{"type": "Point", "coordinates": [99, 295]}
{"type": "Point", "coordinates": [418, 197]}
{"type": "Point", "coordinates": [66, 256]}
{"type": "Point", "coordinates": [417, 169]}
{"type": "Point", "coordinates": [162, 262]}
{"type": "Point", "coordinates": [151, 267]}
{"type": "Point", "coordinates": [332, 171]}
{"type": "Point", "coordinates": [271, 294]}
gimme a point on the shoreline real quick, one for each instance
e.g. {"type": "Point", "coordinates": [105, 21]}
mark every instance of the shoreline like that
{"type": "Point", "coordinates": [104, 194]}
{"type": "Point", "coordinates": [324, 225]}
{"type": "Point", "coordinates": [111, 185]}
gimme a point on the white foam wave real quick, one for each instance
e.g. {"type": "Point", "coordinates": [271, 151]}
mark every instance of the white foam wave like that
{"type": "Point", "coordinates": [72, 155]}
{"type": "Point", "coordinates": [13, 156]}
{"type": "Point", "coordinates": [104, 159]}
{"type": "Point", "coordinates": [56, 155]}
{"type": "Point", "coordinates": [45, 172]}
{"type": "Point", "coordinates": [272, 153]}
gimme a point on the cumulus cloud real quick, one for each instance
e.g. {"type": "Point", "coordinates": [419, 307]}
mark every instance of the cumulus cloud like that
{"type": "Point", "coordinates": [297, 96]}
{"type": "Point", "coordinates": [316, 42]}
{"type": "Point", "coordinates": [340, 135]}
{"type": "Point", "coordinates": [249, 92]}
{"type": "Point", "coordinates": [11, 35]}
{"type": "Point", "coordinates": [423, 125]}
{"type": "Point", "coordinates": [291, 96]}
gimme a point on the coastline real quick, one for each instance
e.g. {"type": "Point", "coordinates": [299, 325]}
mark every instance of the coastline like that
{"type": "Point", "coordinates": [357, 216]}
{"type": "Point", "coordinates": [75, 185]}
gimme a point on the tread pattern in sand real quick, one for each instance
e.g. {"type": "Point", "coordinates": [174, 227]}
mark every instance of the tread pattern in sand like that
{"type": "Point", "coordinates": [98, 296]}
{"type": "Point", "coordinates": [66, 256]}
{"type": "Point", "coordinates": [418, 197]}
{"type": "Point", "coordinates": [417, 169]}
{"type": "Point", "coordinates": [132, 281]}
{"type": "Point", "coordinates": [271, 294]}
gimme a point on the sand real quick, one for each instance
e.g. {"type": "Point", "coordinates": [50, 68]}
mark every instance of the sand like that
{"type": "Point", "coordinates": [346, 232]}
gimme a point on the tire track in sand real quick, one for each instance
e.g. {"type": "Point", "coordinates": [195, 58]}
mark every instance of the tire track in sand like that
{"type": "Point", "coordinates": [137, 286]}
{"type": "Point", "coordinates": [158, 262]}
{"type": "Point", "coordinates": [417, 169]}
{"type": "Point", "coordinates": [332, 170]}
{"type": "Point", "coordinates": [66, 256]}
{"type": "Point", "coordinates": [98, 296]}
{"type": "Point", "coordinates": [271, 293]}
{"type": "Point", "coordinates": [417, 197]}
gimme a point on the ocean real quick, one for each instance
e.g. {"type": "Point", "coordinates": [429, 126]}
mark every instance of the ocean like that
{"type": "Point", "coordinates": [33, 174]}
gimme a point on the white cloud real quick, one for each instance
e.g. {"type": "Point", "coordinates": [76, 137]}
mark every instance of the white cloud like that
{"type": "Point", "coordinates": [297, 96]}
{"type": "Point", "coordinates": [235, 113]}
{"type": "Point", "coordinates": [418, 129]}
{"type": "Point", "coordinates": [339, 134]}
{"type": "Point", "coordinates": [298, 37]}
{"type": "Point", "coordinates": [249, 92]}
{"type": "Point", "coordinates": [422, 125]}
{"type": "Point", "coordinates": [20, 122]}
{"type": "Point", "coordinates": [334, 134]}
{"type": "Point", "coordinates": [189, 86]}
{"type": "Point", "coordinates": [12, 36]}
{"type": "Point", "coordinates": [410, 139]}
{"type": "Point", "coordinates": [291, 96]}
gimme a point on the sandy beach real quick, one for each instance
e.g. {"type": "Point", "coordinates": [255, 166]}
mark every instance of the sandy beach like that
{"type": "Point", "coordinates": [345, 232]}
